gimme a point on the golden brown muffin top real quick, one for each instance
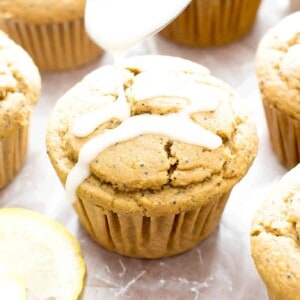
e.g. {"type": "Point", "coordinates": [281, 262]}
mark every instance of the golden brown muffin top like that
{"type": "Point", "coordinates": [275, 237]}
{"type": "Point", "coordinates": [152, 173]}
{"type": "Point", "coordinates": [278, 65]}
{"type": "Point", "coordinates": [19, 86]}
{"type": "Point", "coordinates": [42, 11]}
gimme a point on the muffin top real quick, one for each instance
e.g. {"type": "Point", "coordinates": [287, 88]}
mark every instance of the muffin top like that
{"type": "Point", "coordinates": [19, 86]}
{"type": "Point", "coordinates": [185, 141]}
{"type": "Point", "coordinates": [278, 65]}
{"type": "Point", "coordinates": [42, 11]}
{"type": "Point", "coordinates": [275, 236]}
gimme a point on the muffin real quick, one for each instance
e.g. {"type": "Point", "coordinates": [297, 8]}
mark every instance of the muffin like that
{"type": "Point", "coordinates": [19, 91]}
{"type": "Point", "coordinates": [52, 32]}
{"type": "Point", "coordinates": [149, 171]}
{"type": "Point", "coordinates": [294, 5]}
{"type": "Point", "coordinates": [278, 72]}
{"type": "Point", "coordinates": [275, 238]}
{"type": "Point", "coordinates": [212, 23]}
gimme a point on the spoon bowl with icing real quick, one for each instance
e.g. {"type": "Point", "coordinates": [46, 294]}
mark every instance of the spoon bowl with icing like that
{"type": "Point", "coordinates": [117, 25]}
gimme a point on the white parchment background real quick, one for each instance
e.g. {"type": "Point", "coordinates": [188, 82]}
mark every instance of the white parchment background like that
{"type": "Point", "coordinates": [220, 267]}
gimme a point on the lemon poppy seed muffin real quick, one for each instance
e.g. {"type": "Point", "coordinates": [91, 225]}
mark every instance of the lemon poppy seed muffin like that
{"type": "Point", "coordinates": [212, 22]}
{"type": "Point", "coordinates": [149, 171]}
{"type": "Point", "coordinates": [52, 32]}
{"type": "Point", "coordinates": [278, 72]}
{"type": "Point", "coordinates": [19, 91]}
{"type": "Point", "coordinates": [275, 238]}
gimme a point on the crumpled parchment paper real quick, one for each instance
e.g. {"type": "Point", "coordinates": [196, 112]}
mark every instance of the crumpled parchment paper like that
{"type": "Point", "coordinates": [221, 267]}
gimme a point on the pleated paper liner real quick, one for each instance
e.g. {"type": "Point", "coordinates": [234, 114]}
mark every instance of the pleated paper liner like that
{"type": "Point", "coordinates": [212, 23]}
{"type": "Point", "coordinates": [54, 47]}
{"type": "Point", "coordinates": [272, 296]}
{"type": "Point", "coordinates": [150, 237]}
{"type": "Point", "coordinates": [13, 150]}
{"type": "Point", "coordinates": [284, 132]}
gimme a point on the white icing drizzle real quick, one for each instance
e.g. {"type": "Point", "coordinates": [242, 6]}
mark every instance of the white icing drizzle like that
{"type": "Point", "coordinates": [87, 123]}
{"type": "Point", "coordinates": [177, 126]}
{"type": "Point", "coordinates": [133, 127]}
{"type": "Point", "coordinates": [145, 87]}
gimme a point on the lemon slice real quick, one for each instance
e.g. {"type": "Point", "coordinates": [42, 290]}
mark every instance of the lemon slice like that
{"type": "Point", "coordinates": [12, 287]}
{"type": "Point", "coordinates": [43, 253]}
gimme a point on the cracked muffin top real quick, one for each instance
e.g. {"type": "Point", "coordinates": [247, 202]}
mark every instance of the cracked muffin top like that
{"type": "Point", "coordinates": [278, 65]}
{"type": "Point", "coordinates": [275, 236]}
{"type": "Point", "coordinates": [175, 139]}
{"type": "Point", "coordinates": [42, 11]}
{"type": "Point", "coordinates": [19, 86]}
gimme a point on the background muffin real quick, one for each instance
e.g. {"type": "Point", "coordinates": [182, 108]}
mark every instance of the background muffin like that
{"type": "Point", "coordinates": [294, 5]}
{"type": "Point", "coordinates": [278, 72]}
{"type": "Point", "coordinates": [52, 32]}
{"type": "Point", "coordinates": [275, 238]}
{"type": "Point", "coordinates": [156, 192]}
{"type": "Point", "coordinates": [212, 22]}
{"type": "Point", "coordinates": [19, 91]}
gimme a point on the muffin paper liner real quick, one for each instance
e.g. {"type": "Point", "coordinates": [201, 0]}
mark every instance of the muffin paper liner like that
{"type": "Point", "coordinates": [150, 237]}
{"type": "Point", "coordinates": [59, 46]}
{"type": "Point", "coordinates": [209, 23]}
{"type": "Point", "coordinates": [271, 295]}
{"type": "Point", "coordinates": [13, 150]}
{"type": "Point", "coordinates": [284, 133]}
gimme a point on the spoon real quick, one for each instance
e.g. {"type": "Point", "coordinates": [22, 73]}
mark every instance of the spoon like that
{"type": "Point", "coordinates": [117, 25]}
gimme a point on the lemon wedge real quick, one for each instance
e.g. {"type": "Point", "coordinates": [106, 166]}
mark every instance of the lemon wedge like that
{"type": "Point", "coordinates": [43, 254]}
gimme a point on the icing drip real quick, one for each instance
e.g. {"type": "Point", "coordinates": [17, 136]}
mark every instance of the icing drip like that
{"type": "Point", "coordinates": [86, 124]}
{"type": "Point", "coordinates": [120, 109]}
{"type": "Point", "coordinates": [177, 126]}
